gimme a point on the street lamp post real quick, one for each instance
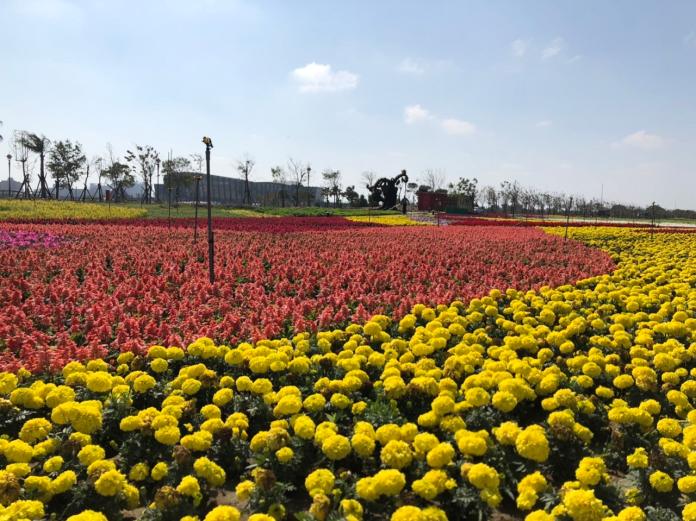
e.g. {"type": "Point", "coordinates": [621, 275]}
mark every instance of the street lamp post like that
{"type": "Point", "coordinates": [211, 250]}
{"type": "Point", "coordinates": [309, 190]}
{"type": "Point", "coordinates": [157, 162]}
{"type": "Point", "coordinates": [9, 176]}
{"type": "Point", "coordinates": [197, 178]}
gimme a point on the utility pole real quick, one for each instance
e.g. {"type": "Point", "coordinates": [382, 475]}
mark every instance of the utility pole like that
{"type": "Point", "coordinates": [570, 203]}
{"type": "Point", "coordinates": [157, 162]}
{"type": "Point", "coordinates": [211, 248]}
{"type": "Point", "coordinates": [309, 190]}
{"type": "Point", "coordinates": [197, 178]}
{"type": "Point", "coordinates": [9, 176]}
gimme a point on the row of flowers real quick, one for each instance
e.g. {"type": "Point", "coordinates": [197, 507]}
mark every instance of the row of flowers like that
{"type": "Point", "coordinates": [26, 239]}
{"type": "Point", "coordinates": [573, 403]}
{"type": "Point", "coordinates": [126, 287]}
{"type": "Point", "coordinates": [46, 210]}
{"type": "Point", "coordinates": [387, 220]}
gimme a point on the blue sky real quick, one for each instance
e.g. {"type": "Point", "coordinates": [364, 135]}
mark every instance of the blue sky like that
{"type": "Point", "coordinates": [556, 94]}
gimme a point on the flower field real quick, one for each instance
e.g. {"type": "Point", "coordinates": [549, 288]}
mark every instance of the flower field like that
{"type": "Point", "coordinates": [141, 285]}
{"type": "Point", "coordinates": [41, 210]}
{"type": "Point", "coordinates": [349, 374]}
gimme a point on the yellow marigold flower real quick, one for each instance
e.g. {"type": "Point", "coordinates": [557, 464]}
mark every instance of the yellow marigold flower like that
{"type": "Point", "coordinates": [483, 476]}
{"type": "Point", "coordinates": [284, 454]}
{"type": "Point", "coordinates": [590, 471]}
{"type": "Point", "coordinates": [321, 481]}
{"type": "Point", "coordinates": [582, 505]}
{"type": "Point", "coordinates": [440, 456]}
{"type": "Point", "coordinates": [210, 471]}
{"type": "Point", "coordinates": [189, 486]}
{"type": "Point", "coordinates": [689, 512]}
{"type": "Point", "coordinates": [88, 515]}
{"type": "Point", "coordinates": [168, 435]}
{"type": "Point", "coordinates": [144, 383]}
{"type": "Point", "coordinates": [336, 447]}
{"type": "Point", "coordinates": [18, 451]}
{"type": "Point", "coordinates": [396, 454]}
{"type": "Point", "coordinates": [110, 483]}
{"type": "Point", "coordinates": [223, 513]}
{"type": "Point", "coordinates": [139, 472]}
{"type": "Point", "coordinates": [532, 444]}
{"type": "Point", "coordinates": [35, 429]}
{"type": "Point", "coordinates": [244, 489]}
{"type": "Point", "coordinates": [661, 481]}
{"type": "Point", "coordinates": [631, 514]}
{"type": "Point", "coordinates": [159, 471]}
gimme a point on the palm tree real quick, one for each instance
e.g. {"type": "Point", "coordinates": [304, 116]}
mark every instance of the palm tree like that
{"type": "Point", "coordinates": [39, 145]}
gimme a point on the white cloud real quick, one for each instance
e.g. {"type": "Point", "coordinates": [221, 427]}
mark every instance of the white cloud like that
{"type": "Point", "coordinates": [415, 113]}
{"type": "Point", "coordinates": [410, 66]}
{"type": "Point", "coordinates": [317, 77]}
{"type": "Point", "coordinates": [553, 49]}
{"type": "Point", "coordinates": [457, 127]}
{"type": "Point", "coordinates": [642, 139]}
{"type": "Point", "coordinates": [519, 47]}
{"type": "Point", "coordinates": [544, 123]}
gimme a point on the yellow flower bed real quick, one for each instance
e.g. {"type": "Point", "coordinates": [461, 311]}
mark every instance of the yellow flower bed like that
{"type": "Point", "coordinates": [23, 209]}
{"type": "Point", "coordinates": [386, 220]}
{"type": "Point", "coordinates": [569, 403]}
{"type": "Point", "coordinates": [242, 212]}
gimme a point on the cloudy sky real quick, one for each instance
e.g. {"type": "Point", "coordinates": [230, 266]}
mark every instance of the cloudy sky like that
{"type": "Point", "coordinates": [558, 94]}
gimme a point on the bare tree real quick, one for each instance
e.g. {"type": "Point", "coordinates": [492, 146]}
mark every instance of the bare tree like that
{"type": "Point", "coordinates": [298, 174]}
{"type": "Point", "coordinates": [197, 159]}
{"type": "Point", "coordinates": [435, 179]}
{"type": "Point", "coordinates": [21, 155]}
{"type": "Point", "coordinates": [244, 167]}
{"type": "Point", "coordinates": [369, 177]}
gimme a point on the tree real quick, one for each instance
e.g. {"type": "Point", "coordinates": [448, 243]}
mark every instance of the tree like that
{"type": "Point", "coordinates": [369, 177]}
{"type": "Point", "coordinates": [1, 134]}
{"type": "Point", "coordinates": [510, 194]}
{"type": "Point", "coordinates": [332, 178]}
{"type": "Point", "coordinates": [435, 179]}
{"type": "Point", "coordinates": [298, 174]}
{"type": "Point", "coordinates": [197, 159]}
{"type": "Point", "coordinates": [351, 196]}
{"type": "Point", "coordinates": [177, 174]}
{"type": "Point", "coordinates": [144, 158]}
{"type": "Point", "coordinates": [278, 175]}
{"type": "Point", "coordinates": [39, 145]}
{"type": "Point", "coordinates": [120, 177]}
{"type": "Point", "coordinates": [65, 161]}
{"type": "Point", "coordinates": [245, 167]}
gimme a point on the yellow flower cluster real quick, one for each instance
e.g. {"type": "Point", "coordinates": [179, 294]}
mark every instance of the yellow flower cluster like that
{"type": "Point", "coordinates": [40, 209]}
{"type": "Point", "coordinates": [521, 401]}
{"type": "Point", "coordinates": [387, 220]}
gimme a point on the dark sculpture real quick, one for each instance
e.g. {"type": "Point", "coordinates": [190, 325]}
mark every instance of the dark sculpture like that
{"type": "Point", "coordinates": [385, 191]}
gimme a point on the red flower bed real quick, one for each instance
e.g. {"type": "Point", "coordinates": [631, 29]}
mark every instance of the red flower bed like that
{"type": "Point", "coordinates": [250, 224]}
{"type": "Point", "coordinates": [124, 287]}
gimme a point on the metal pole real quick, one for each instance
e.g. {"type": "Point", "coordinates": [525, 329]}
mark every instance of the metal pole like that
{"type": "Point", "coordinates": [652, 229]}
{"type": "Point", "coordinates": [195, 219]}
{"type": "Point", "coordinates": [211, 249]}
{"type": "Point", "coordinates": [157, 161]}
{"type": "Point", "coordinates": [570, 203]}
{"type": "Point", "coordinates": [169, 207]}
{"type": "Point", "coordinates": [9, 176]}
